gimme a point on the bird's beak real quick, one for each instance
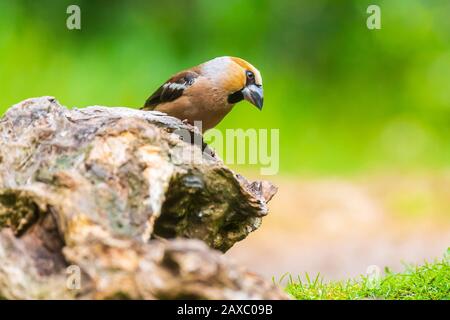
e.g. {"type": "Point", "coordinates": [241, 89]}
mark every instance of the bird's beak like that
{"type": "Point", "coordinates": [254, 94]}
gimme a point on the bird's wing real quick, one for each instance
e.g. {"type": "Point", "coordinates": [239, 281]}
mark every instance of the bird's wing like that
{"type": "Point", "coordinates": [171, 90]}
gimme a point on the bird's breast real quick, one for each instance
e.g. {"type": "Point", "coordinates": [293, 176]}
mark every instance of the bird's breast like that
{"type": "Point", "coordinates": [202, 102]}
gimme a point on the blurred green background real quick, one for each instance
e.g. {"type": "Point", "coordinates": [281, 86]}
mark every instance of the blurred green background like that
{"type": "Point", "coordinates": [346, 99]}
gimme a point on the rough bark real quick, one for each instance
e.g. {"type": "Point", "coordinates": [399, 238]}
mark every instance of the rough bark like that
{"type": "Point", "coordinates": [114, 192]}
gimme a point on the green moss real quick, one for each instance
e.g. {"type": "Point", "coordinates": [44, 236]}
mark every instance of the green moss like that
{"type": "Point", "coordinates": [17, 211]}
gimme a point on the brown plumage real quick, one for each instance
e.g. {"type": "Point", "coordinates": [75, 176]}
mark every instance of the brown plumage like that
{"type": "Point", "coordinates": [209, 91]}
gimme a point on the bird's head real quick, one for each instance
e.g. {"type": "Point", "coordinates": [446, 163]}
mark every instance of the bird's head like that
{"type": "Point", "coordinates": [238, 78]}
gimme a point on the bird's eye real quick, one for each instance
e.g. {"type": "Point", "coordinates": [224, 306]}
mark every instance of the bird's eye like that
{"type": "Point", "coordinates": [250, 75]}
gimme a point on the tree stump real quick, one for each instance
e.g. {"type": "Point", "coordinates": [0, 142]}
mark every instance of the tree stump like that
{"type": "Point", "coordinates": [113, 194]}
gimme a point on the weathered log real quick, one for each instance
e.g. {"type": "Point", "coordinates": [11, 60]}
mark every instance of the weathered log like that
{"type": "Point", "coordinates": [114, 191]}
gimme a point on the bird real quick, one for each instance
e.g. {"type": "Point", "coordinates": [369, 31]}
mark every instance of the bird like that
{"type": "Point", "coordinates": [203, 95]}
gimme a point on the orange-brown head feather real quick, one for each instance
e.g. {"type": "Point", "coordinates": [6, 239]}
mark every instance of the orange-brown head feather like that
{"type": "Point", "coordinates": [246, 66]}
{"type": "Point", "coordinates": [236, 78]}
{"type": "Point", "coordinates": [229, 72]}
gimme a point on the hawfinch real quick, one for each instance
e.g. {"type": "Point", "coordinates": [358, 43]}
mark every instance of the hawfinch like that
{"type": "Point", "coordinates": [208, 91]}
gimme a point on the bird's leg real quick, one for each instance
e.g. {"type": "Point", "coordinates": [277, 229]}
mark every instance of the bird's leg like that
{"type": "Point", "coordinates": [210, 151]}
{"type": "Point", "coordinates": [204, 145]}
{"type": "Point", "coordinates": [207, 149]}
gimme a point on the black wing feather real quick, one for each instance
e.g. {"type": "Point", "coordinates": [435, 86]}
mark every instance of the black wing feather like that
{"type": "Point", "coordinates": [171, 90]}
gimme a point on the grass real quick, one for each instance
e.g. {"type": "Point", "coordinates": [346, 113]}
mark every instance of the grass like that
{"type": "Point", "coordinates": [430, 281]}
